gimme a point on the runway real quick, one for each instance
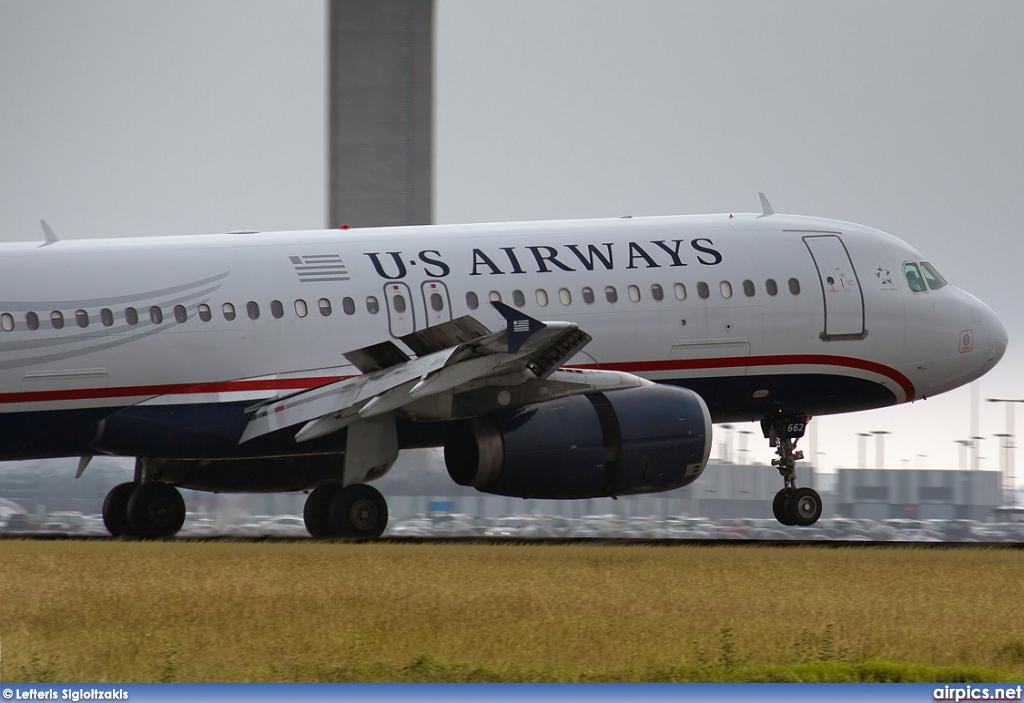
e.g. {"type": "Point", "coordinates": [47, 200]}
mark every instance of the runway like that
{"type": "Point", "coordinates": [540, 542]}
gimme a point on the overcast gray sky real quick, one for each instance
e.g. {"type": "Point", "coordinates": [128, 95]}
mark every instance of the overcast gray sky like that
{"type": "Point", "coordinates": [120, 118]}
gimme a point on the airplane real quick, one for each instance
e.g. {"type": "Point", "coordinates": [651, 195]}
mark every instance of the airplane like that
{"type": "Point", "coordinates": [564, 359]}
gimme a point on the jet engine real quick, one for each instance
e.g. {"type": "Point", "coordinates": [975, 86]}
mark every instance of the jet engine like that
{"type": "Point", "coordinates": [646, 439]}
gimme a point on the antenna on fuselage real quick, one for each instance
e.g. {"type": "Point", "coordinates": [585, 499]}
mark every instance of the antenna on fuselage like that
{"type": "Point", "coordinates": [766, 207]}
{"type": "Point", "coordinates": [48, 233]}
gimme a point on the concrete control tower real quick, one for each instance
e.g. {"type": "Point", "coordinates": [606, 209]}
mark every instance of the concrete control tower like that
{"type": "Point", "coordinates": [380, 112]}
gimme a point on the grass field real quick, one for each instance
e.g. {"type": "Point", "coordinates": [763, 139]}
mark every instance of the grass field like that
{"type": "Point", "coordinates": [232, 611]}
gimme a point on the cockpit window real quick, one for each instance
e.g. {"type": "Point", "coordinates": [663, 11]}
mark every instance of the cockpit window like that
{"type": "Point", "coordinates": [914, 279]}
{"type": "Point", "coordinates": [934, 279]}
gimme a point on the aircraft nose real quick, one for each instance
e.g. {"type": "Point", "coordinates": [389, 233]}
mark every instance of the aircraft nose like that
{"type": "Point", "coordinates": [996, 331]}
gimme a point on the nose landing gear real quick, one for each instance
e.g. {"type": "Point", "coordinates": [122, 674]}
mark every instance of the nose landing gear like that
{"type": "Point", "coordinates": [792, 505]}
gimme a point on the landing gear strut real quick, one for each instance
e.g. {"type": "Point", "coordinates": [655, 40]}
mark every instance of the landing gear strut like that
{"type": "Point", "coordinates": [792, 505]}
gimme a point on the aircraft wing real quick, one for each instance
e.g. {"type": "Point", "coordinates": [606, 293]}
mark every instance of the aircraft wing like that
{"type": "Point", "coordinates": [451, 355]}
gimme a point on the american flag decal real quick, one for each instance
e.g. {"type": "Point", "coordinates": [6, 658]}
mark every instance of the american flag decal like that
{"type": "Point", "coordinates": [521, 326]}
{"type": "Point", "coordinates": [320, 267]}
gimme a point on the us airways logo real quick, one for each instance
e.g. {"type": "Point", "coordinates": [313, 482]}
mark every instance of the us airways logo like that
{"type": "Point", "coordinates": [606, 256]}
{"type": "Point", "coordinates": [314, 268]}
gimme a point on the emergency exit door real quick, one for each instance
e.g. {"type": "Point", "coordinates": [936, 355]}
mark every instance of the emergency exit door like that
{"type": "Point", "coordinates": [401, 313]}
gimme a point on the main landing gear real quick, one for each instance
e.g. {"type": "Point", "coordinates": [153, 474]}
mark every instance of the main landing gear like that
{"type": "Point", "coordinates": [792, 505]}
{"type": "Point", "coordinates": [150, 508]}
{"type": "Point", "coordinates": [357, 511]}
{"type": "Point", "coordinates": [138, 509]}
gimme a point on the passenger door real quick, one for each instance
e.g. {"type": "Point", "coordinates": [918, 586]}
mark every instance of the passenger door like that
{"type": "Point", "coordinates": [840, 287]}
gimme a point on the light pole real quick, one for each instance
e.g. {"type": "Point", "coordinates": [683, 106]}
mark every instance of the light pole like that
{"type": "Point", "coordinates": [1003, 446]}
{"type": "Point", "coordinates": [1010, 474]}
{"type": "Point", "coordinates": [976, 447]}
{"type": "Point", "coordinates": [880, 447]}
{"type": "Point", "coordinates": [726, 448]}
{"type": "Point", "coordinates": [743, 445]}
{"type": "Point", "coordinates": [862, 441]}
{"type": "Point", "coordinates": [964, 443]}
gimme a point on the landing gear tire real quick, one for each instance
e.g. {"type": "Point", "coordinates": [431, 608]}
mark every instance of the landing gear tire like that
{"type": "Point", "coordinates": [792, 505]}
{"type": "Point", "coordinates": [358, 512]}
{"type": "Point", "coordinates": [805, 506]}
{"type": "Point", "coordinates": [156, 510]}
{"type": "Point", "coordinates": [781, 507]}
{"type": "Point", "coordinates": [315, 512]}
{"type": "Point", "coordinates": [115, 508]}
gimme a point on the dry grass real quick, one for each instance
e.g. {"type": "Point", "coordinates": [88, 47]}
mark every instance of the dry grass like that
{"type": "Point", "coordinates": [137, 611]}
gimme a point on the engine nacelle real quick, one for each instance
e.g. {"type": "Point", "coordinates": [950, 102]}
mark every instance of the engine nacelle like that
{"type": "Point", "coordinates": [633, 440]}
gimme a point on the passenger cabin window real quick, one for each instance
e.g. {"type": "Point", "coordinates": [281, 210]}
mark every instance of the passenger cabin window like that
{"type": "Point", "coordinates": [588, 295]}
{"type": "Point", "coordinates": [82, 318]}
{"type": "Point", "coordinates": [657, 293]}
{"type": "Point", "coordinates": [252, 310]}
{"type": "Point", "coordinates": [794, 286]}
{"type": "Point", "coordinates": [610, 294]}
{"type": "Point", "coordinates": [725, 288]}
{"type": "Point", "coordinates": [437, 302]}
{"type": "Point", "coordinates": [934, 279]}
{"type": "Point", "coordinates": [131, 316]}
{"type": "Point", "coordinates": [472, 302]}
{"type": "Point", "coordinates": [7, 321]}
{"type": "Point", "coordinates": [518, 298]}
{"type": "Point", "coordinates": [542, 297]}
{"type": "Point", "coordinates": [748, 288]}
{"type": "Point", "coordinates": [914, 278]}
{"type": "Point", "coordinates": [32, 320]}
{"type": "Point", "coordinates": [277, 310]}
{"type": "Point", "coordinates": [57, 319]}
{"type": "Point", "coordinates": [348, 306]}
{"type": "Point", "coordinates": [156, 315]}
{"type": "Point", "coordinates": [180, 314]}
{"type": "Point", "coordinates": [301, 309]}
{"type": "Point", "coordinates": [634, 294]}
{"type": "Point", "coordinates": [680, 290]}
{"type": "Point", "coordinates": [325, 306]}
{"type": "Point", "coordinates": [703, 292]}
{"type": "Point", "coordinates": [204, 312]}
{"type": "Point", "coordinates": [494, 296]}
{"type": "Point", "coordinates": [771, 286]}
{"type": "Point", "coordinates": [372, 306]}
{"type": "Point", "coordinates": [229, 311]}
{"type": "Point", "coordinates": [564, 296]}
{"type": "Point", "coordinates": [107, 317]}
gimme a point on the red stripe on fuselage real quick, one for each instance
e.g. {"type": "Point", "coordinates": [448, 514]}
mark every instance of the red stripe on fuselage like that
{"type": "Point", "coordinates": [299, 384]}
{"type": "Point", "coordinates": [760, 361]}
{"type": "Point", "coordinates": [284, 384]}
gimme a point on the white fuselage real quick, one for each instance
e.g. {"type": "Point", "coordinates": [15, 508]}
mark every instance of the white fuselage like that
{"type": "Point", "coordinates": [755, 313]}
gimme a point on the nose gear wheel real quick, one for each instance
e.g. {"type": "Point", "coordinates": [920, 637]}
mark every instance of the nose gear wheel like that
{"type": "Point", "coordinates": [792, 505]}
